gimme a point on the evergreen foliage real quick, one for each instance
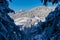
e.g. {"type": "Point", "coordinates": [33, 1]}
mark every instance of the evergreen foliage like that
{"type": "Point", "coordinates": [48, 30]}
{"type": "Point", "coordinates": [8, 29]}
{"type": "Point", "coordinates": [52, 1]}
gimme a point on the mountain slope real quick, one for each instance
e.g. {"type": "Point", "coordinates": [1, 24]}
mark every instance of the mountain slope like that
{"type": "Point", "coordinates": [32, 16]}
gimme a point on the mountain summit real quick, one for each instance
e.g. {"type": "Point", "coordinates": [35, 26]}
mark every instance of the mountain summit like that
{"type": "Point", "coordinates": [31, 17]}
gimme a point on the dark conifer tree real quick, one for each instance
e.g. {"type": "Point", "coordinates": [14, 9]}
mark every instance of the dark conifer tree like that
{"type": "Point", "coordinates": [8, 29]}
{"type": "Point", "coordinates": [52, 1]}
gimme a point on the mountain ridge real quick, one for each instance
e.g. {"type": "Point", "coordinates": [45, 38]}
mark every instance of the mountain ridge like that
{"type": "Point", "coordinates": [32, 16]}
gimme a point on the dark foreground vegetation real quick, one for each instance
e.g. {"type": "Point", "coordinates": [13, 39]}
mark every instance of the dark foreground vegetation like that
{"type": "Point", "coordinates": [48, 30]}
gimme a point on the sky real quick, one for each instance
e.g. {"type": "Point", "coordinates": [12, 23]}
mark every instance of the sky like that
{"type": "Point", "coordinates": [24, 4]}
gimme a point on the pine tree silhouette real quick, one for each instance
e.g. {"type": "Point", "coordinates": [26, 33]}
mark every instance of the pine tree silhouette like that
{"type": "Point", "coordinates": [8, 29]}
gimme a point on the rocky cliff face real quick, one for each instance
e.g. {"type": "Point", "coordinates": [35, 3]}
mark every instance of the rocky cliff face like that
{"type": "Point", "coordinates": [32, 16]}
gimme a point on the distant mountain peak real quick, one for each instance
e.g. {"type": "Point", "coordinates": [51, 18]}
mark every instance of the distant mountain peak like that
{"type": "Point", "coordinates": [32, 16]}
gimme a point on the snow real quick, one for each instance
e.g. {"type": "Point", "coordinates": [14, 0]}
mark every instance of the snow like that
{"type": "Point", "coordinates": [22, 20]}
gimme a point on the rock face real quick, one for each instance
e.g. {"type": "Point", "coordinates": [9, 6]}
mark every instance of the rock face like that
{"type": "Point", "coordinates": [32, 16]}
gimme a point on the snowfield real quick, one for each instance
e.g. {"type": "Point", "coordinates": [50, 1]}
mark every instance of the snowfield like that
{"type": "Point", "coordinates": [25, 20]}
{"type": "Point", "coordinates": [33, 16]}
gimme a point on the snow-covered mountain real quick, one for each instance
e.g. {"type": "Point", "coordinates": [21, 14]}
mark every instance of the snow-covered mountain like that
{"type": "Point", "coordinates": [33, 16]}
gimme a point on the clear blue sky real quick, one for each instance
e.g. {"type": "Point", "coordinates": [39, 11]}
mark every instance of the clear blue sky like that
{"type": "Point", "coordinates": [24, 4]}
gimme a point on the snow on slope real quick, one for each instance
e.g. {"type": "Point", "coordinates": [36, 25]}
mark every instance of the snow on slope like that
{"type": "Point", "coordinates": [32, 16]}
{"type": "Point", "coordinates": [26, 21]}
